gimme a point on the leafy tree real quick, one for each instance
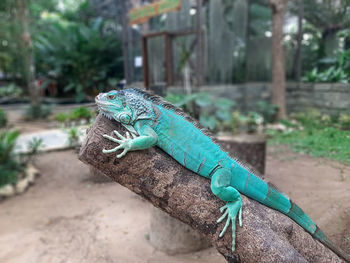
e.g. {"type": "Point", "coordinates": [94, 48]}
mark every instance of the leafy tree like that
{"type": "Point", "coordinates": [70, 45]}
{"type": "Point", "coordinates": [79, 57]}
{"type": "Point", "coordinates": [330, 17]}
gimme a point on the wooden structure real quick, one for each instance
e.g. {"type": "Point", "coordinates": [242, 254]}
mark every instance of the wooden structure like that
{"type": "Point", "coordinates": [168, 51]}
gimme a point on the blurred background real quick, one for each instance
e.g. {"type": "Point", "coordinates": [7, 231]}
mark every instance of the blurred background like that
{"type": "Point", "coordinates": [276, 70]}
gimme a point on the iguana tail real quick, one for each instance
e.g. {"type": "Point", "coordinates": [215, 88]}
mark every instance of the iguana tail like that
{"type": "Point", "coordinates": [253, 187]}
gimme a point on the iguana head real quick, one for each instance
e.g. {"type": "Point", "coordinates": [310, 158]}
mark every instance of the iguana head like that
{"type": "Point", "coordinates": [114, 107]}
{"type": "Point", "coordinates": [125, 106]}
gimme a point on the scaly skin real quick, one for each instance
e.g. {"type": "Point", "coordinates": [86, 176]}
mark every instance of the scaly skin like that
{"type": "Point", "coordinates": [153, 122]}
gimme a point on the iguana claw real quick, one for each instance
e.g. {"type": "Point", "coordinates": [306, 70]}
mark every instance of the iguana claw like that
{"type": "Point", "coordinates": [124, 143]}
{"type": "Point", "coordinates": [231, 209]}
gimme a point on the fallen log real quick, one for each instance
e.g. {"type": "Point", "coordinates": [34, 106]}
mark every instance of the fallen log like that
{"type": "Point", "coordinates": [266, 235]}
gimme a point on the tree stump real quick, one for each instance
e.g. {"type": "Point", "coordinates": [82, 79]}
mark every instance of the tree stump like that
{"type": "Point", "coordinates": [250, 148]}
{"type": "Point", "coordinates": [266, 235]}
{"type": "Point", "coordinates": [172, 236]}
{"type": "Point", "coordinates": [98, 177]}
{"type": "Point", "coordinates": [169, 234]}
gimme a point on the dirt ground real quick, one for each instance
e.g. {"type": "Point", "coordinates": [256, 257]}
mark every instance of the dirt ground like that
{"type": "Point", "coordinates": [15, 117]}
{"type": "Point", "coordinates": [321, 187]}
{"type": "Point", "coordinates": [66, 217]}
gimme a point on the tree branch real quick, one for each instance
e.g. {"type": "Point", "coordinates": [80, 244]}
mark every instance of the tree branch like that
{"type": "Point", "coordinates": [266, 235]}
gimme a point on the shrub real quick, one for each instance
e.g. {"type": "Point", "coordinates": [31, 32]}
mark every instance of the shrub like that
{"type": "Point", "coordinates": [76, 114]}
{"type": "Point", "coordinates": [267, 110]}
{"type": "Point", "coordinates": [12, 163]}
{"type": "Point", "coordinates": [3, 118]}
{"type": "Point", "coordinates": [61, 117]}
{"type": "Point", "coordinates": [213, 113]}
{"type": "Point", "coordinates": [80, 113]}
{"type": "Point", "coordinates": [9, 161]}
{"type": "Point", "coordinates": [11, 90]}
{"type": "Point", "coordinates": [344, 121]}
{"type": "Point", "coordinates": [37, 112]}
{"type": "Point", "coordinates": [311, 117]}
{"type": "Point", "coordinates": [81, 57]}
{"type": "Point", "coordinates": [73, 136]}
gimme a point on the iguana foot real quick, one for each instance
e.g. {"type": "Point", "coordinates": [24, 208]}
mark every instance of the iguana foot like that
{"type": "Point", "coordinates": [231, 209]}
{"type": "Point", "coordinates": [124, 143]}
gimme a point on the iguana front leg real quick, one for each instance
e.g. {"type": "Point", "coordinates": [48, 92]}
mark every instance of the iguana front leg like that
{"type": "Point", "coordinates": [147, 139]}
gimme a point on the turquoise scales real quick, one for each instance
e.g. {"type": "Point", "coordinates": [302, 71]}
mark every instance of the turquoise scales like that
{"type": "Point", "coordinates": [154, 122]}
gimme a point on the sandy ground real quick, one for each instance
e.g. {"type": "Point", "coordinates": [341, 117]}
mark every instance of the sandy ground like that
{"type": "Point", "coordinates": [15, 117]}
{"type": "Point", "coordinates": [65, 217]}
{"type": "Point", "coordinates": [321, 187]}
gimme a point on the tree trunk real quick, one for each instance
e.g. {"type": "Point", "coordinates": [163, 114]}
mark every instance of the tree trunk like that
{"type": "Point", "coordinates": [266, 235]}
{"type": "Point", "coordinates": [278, 8]}
{"type": "Point", "coordinates": [297, 56]}
{"type": "Point", "coordinates": [27, 52]}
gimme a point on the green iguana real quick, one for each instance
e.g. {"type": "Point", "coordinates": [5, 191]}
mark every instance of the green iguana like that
{"type": "Point", "coordinates": [151, 121]}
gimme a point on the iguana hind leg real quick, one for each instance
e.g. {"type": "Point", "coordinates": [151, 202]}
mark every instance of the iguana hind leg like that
{"type": "Point", "coordinates": [220, 186]}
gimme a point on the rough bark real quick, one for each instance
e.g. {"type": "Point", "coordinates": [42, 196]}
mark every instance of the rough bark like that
{"type": "Point", "coordinates": [27, 52]}
{"type": "Point", "coordinates": [278, 8]}
{"type": "Point", "coordinates": [297, 56]}
{"type": "Point", "coordinates": [266, 235]}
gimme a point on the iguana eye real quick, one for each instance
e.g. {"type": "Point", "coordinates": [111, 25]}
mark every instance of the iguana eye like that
{"type": "Point", "coordinates": [111, 97]}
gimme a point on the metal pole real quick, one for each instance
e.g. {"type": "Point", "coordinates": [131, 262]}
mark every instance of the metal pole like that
{"type": "Point", "coordinates": [145, 62]}
{"type": "Point", "coordinates": [199, 66]}
{"type": "Point", "coordinates": [125, 26]}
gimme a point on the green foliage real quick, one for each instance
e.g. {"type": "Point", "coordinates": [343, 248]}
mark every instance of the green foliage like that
{"type": "Point", "coordinates": [311, 117]}
{"type": "Point", "coordinates": [332, 74]}
{"type": "Point", "coordinates": [80, 56]}
{"type": "Point", "coordinates": [322, 135]}
{"type": "Point", "coordinates": [332, 69]}
{"type": "Point", "coordinates": [61, 117]}
{"type": "Point", "coordinates": [260, 16]}
{"type": "Point", "coordinates": [9, 162]}
{"type": "Point", "coordinates": [12, 163]}
{"type": "Point", "coordinates": [246, 123]}
{"type": "Point", "coordinates": [213, 113]}
{"type": "Point", "coordinates": [325, 13]}
{"type": "Point", "coordinates": [33, 149]}
{"type": "Point", "coordinates": [10, 91]}
{"type": "Point", "coordinates": [37, 112]}
{"type": "Point", "coordinates": [267, 110]}
{"type": "Point", "coordinates": [76, 114]}
{"type": "Point", "coordinates": [217, 114]}
{"type": "Point", "coordinates": [73, 136]}
{"type": "Point", "coordinates": [3, 118]}
{"type": "Point", "coordinates": [80, 113]}
{"type": "Point", "coordinates": [344, 121]}
{"type": "Point", "coordinates": [288, 123]}
{"type": "Point", "coordinates": [328, 142]}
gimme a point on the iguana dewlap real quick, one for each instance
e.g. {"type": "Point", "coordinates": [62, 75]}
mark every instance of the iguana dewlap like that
{"type": "Point", "coordinates": [153, 122]}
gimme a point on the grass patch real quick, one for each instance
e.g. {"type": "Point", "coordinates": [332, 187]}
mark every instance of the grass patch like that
{"type": "Point", "coordinates": [317, 141]}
